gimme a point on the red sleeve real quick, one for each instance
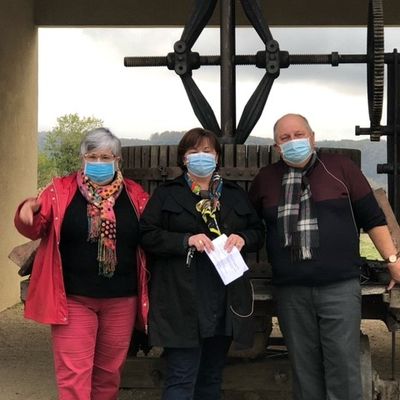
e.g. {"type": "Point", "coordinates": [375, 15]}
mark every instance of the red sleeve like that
{"type": "Point", "coordinates": [41, 220]}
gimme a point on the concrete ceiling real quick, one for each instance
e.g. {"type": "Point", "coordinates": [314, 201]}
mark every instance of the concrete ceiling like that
{"type": "Point", "coordinates": [175, 12]}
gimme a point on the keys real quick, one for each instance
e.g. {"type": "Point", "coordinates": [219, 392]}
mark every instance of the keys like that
{"type": "Point", "coordinates": [189, 256]}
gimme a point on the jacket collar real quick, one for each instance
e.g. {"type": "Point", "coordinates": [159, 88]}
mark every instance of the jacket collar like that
{"type": "Point", "coordinates": [184, 196]}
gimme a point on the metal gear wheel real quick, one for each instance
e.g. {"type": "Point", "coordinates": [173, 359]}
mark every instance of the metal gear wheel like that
{"type": "Point", "coordinates": [375, 65]}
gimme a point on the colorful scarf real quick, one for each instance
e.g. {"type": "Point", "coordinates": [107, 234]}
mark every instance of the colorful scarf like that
{"type": "Point", "coordinates": [297, 218]}
{"type": "Point", "coordinates": [102, 226]}
{"type": "Point", "coordinates": [208, 207]}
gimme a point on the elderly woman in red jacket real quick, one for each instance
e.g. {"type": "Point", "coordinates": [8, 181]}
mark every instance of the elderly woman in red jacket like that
{"type": "Point", "coordinates": [89, 275]}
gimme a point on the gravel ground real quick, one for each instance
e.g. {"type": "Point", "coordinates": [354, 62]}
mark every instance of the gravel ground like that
{"type": "Point", "coordinates": [26, 370]}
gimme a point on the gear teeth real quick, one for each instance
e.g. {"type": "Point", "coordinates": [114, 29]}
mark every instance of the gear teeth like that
{"type": "Point", "coordinates": [376, 62]}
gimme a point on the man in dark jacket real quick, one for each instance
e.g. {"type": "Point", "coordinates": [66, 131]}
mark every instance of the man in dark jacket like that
{"type": "Point", "coordinates": [313, 207]}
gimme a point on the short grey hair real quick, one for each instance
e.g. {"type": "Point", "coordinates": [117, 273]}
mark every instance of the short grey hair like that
{"type": "Point", "coordinates": [100, 138]}
{"type": "Point", "coordinates": [292, 115]}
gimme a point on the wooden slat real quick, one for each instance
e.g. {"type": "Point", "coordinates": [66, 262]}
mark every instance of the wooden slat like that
{"type": "Point", "coordinates": [252, 156]}
{"type": "Point", "coordinates": [154, 163]}
{"type": "Point", "coordinates": [241, 175]}
{"type": "Point", "coordinates": [152, 174]}
{"type": "Point", "coordinates": [241, 165]}
{"type": "Point", "coordinates": [125, 155]}
{"type": "Point", "coordinates": [274, 155]}
{"type": "Point", "coordinates": [154, 156]}
{"type": "Point", "coordinates": [264, 156]}
{"type": "Point", "coordinates": [228, 159]}
{"type": "Point", "coordinates": [145, 163]}
{"type": "Point", "coordinates": [172, 156]}
{"type": "Point", "coordinates": [137, 160]}
{"type": "Point", "coordinates": [163, 157]}
{"type": "Point", "coordinates": [241, 156]}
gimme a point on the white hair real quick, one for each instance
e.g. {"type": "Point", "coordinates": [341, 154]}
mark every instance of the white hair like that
{"type": "Point", "coordinates": [100, 138]}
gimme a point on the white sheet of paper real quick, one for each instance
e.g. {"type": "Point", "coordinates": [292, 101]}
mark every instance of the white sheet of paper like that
{"type": "Point", "coordinates": [229, 266]}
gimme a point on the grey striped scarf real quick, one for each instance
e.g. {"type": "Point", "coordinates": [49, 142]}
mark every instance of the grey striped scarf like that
{"type": "Point", "coordinates": [297, 219]}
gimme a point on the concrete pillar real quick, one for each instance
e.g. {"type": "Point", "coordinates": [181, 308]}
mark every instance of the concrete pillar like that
{"type": "Point", "coordinates": [18, 130]}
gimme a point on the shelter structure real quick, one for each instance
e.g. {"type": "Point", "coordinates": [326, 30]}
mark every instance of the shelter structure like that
{"type": "Point", "coordinates": [19, 22]}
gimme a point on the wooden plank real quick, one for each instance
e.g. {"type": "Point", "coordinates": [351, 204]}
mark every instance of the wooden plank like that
{"type": "Point", "coordinates": [252, 156]}
{"type": "Point", "coordinates": [238, 174]}
{"type": "Point", "coordinates": [140, 373]}
{"type": "Point", "coordinates": [252, 163]}
{"type": "Point", "coordinates": [153, 174]}
{"type": "Point", "coordinates": [23, 255]}
{"type": "Point", "coordinates": [274, 155]}
{"type": "Point", "coordinates": [240, 164]}
{"type": "Point", "coordinates": [264, 156]}
{"type": "Point", "coordinates": [125, 155]}
{"type": "Point", "coordinates": [154, 163]}
{"type": "Point", "coordinates": [228, 159]}
{"type": "Point", "coordinates": [163, 162]}
{"type": "Point", "coordinates": [163, 157]}
{"type": "Point", "coordinates": [154, 156]}
{"type": "Point", "coordinates": [145, 156]}
{"type": "Point", "coordinates": [145, 163]}
{"type": "Point", "coordinates": [137, 159]}
{"type": "Point", "coordinates": [241, 156]}
{"type": "Point", "coordinates": [173, 156]}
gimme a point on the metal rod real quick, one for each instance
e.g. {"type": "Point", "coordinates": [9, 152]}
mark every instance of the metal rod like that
{"type": "Point", "coordinates": [393, 144]}
{"type": "Point", "coordinates": [228, 75]}
{"type": "Point", "coordinates": [393, 355]}
{"type": "Point", "coordinates": [248, 59]}
{"type": "Point", "coordinates": [396, 143]}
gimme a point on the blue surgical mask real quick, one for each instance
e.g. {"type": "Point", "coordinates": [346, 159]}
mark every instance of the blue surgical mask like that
{"type": "Point", "coordinates": [201, 164]}
{"type": "Point", "coordinates": [296, 151]}
{"type": "Point", "coordinates": [100, 172]}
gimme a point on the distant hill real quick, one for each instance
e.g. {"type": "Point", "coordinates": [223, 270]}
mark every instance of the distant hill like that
{"type": "Point", "coordinates": [166, 137]}
{"type": "Point", "coordinates": [372, 153]}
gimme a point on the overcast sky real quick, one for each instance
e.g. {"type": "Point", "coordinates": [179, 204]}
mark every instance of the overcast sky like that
{"type": "Point", "coordinates": [81, 71]}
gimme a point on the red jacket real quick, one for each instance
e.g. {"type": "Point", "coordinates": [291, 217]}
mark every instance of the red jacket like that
{"type": "Point", "coordinates": [46, 299]}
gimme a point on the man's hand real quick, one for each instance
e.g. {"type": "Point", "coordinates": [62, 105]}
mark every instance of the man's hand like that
{"type": "Point", "coordinates": [394, 269]}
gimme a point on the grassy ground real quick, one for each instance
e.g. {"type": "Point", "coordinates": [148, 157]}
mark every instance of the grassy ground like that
{"type": "Point", "coordinates": [367, 248]}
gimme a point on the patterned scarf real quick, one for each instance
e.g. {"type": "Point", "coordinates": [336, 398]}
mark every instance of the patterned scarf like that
{"type": "Point", "coordinates": [208, 207]}
{"type": "Point", "coordinates": [101, 219]}
{"type": "Point", "coordinates": [297, 219]}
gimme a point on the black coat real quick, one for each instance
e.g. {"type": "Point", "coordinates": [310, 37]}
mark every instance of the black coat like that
{"type": "Point", "coordinates": [176, 306]}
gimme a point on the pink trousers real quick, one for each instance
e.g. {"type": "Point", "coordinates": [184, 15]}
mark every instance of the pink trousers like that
{"type": "Point", "coordinates": [90, 351]}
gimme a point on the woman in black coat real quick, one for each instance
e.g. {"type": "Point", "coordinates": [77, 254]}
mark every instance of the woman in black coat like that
{"type": "Point", "coordinates": [193, 315]}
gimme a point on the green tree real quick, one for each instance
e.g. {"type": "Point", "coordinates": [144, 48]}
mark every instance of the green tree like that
{"type": "Point", "coordinates": [46, 169]}
{"type": "Point", "coordinates": [60, 154]}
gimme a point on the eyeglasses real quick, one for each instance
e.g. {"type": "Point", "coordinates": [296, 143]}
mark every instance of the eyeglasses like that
{"type": "Point", "coordinates": [101, 157]}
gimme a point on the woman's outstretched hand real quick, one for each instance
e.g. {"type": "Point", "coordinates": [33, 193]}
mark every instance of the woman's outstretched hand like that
{"type": "Point", "coordinates": [28, 209]}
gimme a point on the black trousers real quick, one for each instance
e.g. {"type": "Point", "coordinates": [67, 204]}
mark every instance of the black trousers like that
{"type": "Point", "coordinates": [196, 373]}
